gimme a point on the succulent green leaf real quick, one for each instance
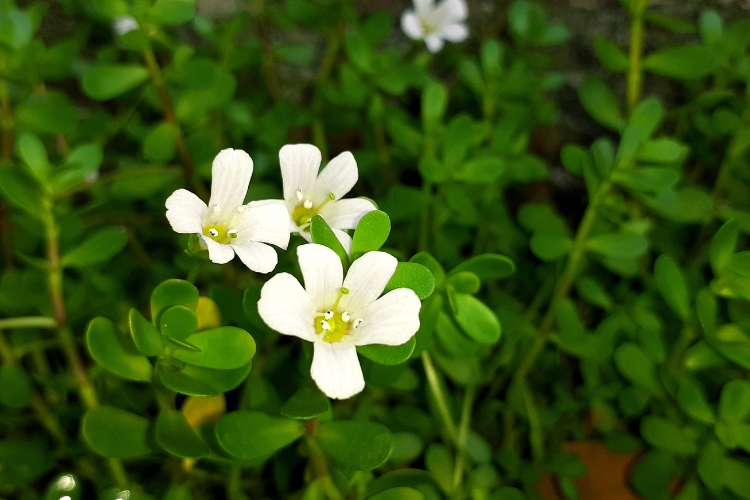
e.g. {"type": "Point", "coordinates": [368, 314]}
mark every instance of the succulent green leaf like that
{"type": "Point", "coordinates": [16, 390]}
{"type": "Point", "coordinates": [172, 293]}
{"type": "Point", "coordinates": [172, 12]}
{"type": "Point", "coordinates": [388, 355]}
{"type": "Point", "coordinates": [686, 62]}
{"type": "Point", "coordinates": [145, 335]}
{"type": "Point", "coordinates": [222, 348]}
{"type": "Point", "coordinates": [665, 434]}
{"type": "Point", "coordinates": [178, 322]}
{"type": "Point", "coordinates": [671, 284]}
{"type": "Point", "coordinates": [610, 55]}
{"type": "Point", "coordinates": [34, 154]}
{"type": "Point", "coordinates": [253, 435]}
{"type": "Point", "coordinates": [116, 433]}
{"type": "Point", "coordinates": [487, 266]}
{"type": "Point", "coordinates": [414, 276]}
{"type": "Point", "coordinates": [306, 403]}
{"type": "Point", "coordinates": [399, 493]}
{"type": "Point", "coordinates": [356, 444]}
{"type": "Point", "coordinates": [434, 104]}
{"type": "Point", "coordinates": [722, 246]}
{"type": "Point", "coordinates": [476, 319]}
{"type": "Point", "coordinates": [159, 145]}
{"type": "Point", "coordinates": [99, 247]}
{"type": "Point", "coordinates": [636, 366]}
{"type": "Point", "coordinates": [116, 352]}
{"type": "Point", "coordinates": [464, 282]}
{"type": "Point", "coordinates": [692, 400]}
{"type": "Point", "coordinates": [371, 233]}
{"type": "Point", "coordinates": [600, 102]}
{"type": "Point", "coordinates": [430, 263]}
{"type": "Point", "coordinates": [322, 234]}
{"type": "Point", "coordinates": [107, 81]}
{"type": "Point", "coordinates": [179, 381]}
{"type": "Point", "coordinates": [220, 380]}
{"type": "Point", "coordinates": [734, 403]}
{"type": "Point", "coordinates": [23, 191]}
{"type": "Point", "coordinates": [174, 434]}
{"type": "Point", "coordinates": [618, 245]}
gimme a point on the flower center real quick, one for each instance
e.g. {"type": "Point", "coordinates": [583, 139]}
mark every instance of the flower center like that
{"type": "Point", "coordinates": [334, 325]}
{"type": "Point", "coordinates": [220, 233]}
{"type": "Point", "coordinates": [428, 26]}
{"type": "Point", "coordinates": [305, 210]}
{"type": "Point", "coordinates": [218, 225]}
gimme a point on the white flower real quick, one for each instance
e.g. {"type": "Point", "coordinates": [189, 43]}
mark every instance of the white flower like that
{"type": "Point", "coordinates": [434, 24]}
{"type": "Point", "coordinates": [124, 24]}
{"type": "Point", "coordinates": [307, 194]}
{"type": "Point", "coordinates": [338, 314]}
{"type": "Point", "coordinates": [227, 226]}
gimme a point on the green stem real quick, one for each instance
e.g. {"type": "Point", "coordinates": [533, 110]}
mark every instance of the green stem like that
{"type": "Point", "coordinates": [463, 435]}
{"type": "Point", "coordinates": [440, 399]}
{"type": "Point", "coordinates": [318, 461]}
{"type": "Point", "coordinates": [28, 322]}
{"type": "Point", "coordinates": [326, 66]}
{"type": "Point", "coordinates": [268, 59]}
{"type": "Point", "coordinates": [384, 156]}
{"type": "Point", "coordinates": [169, 115]}
{"type": "Point", "coordinates": [635, 71]}
{"type": "Point", "coordinates": [424, 227]}
{"type": "Point", "coordinates": [67, 341]}
{"type": "Point", "coordinates": [6, 124]}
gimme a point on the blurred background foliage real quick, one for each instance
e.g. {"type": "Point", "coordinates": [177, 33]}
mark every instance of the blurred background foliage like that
{"type": "Point", "coordinates": [615, 263]}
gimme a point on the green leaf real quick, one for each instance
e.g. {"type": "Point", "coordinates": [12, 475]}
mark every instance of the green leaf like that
{"type": "Point", "coordinates": [480, 170]}
{"type": "Point", "coordinates": [16, 390]}
{"type": "Point", "coordinates": [16, 28]}
{"type": "Point", "coordinates": [172, 12]}
{"type": "Point", "coordinates": [252, 435]}
{"type": "Point", "coordinates": [414, 276]}
{"type": "Point", "coordinates": [116, 433]}
{"type": "Point", "coordinates": [736, 477]}
{"type": "Point", "coordinates": [299, 54]}
{"type": "Point", "coordinates": [413, 478]}
{"type": "Point", "coordinates": [359, 52]}
{"type": "Point", "coordinates": [172, 293]}
{"type": "Point", "coordinates": [572, 156]}
{"type": "Point", "coordinates": [619, 245]}
{"type": "Point", "coordinates": [81, 163]}
{"type": "Point", "coordinates": [116, 352]}
{"type": "Point", "coordinates": [671, 284]}
{"type": "Point", "coordinates": [722, 246]}
{"type": "Point", "coordinates": [355, 444]}
{"type": "Point", "coordinates": [174, 434]}
{"type": "Point", "coordinates": [34, 154]}
{"type": "Point", "coordinates": [100, 247]}
{"type": "Point", "coordinates": [710, 27]}
{"type": "Point", "coordinates": [549, 247]}
{"type": "Point", "coordinates": [434, 104]}
{"type": "Point", "coordinates": [647, 179]}
{"type": "Point", "coordinates": [647, 115]}
{"type": "Point", "coordinates": [178, 322]}
{"type": "Point", "coordinates": [159, 145]}
{"type": "Point", "coordinates": [692, 400]}
{"type": "Point", "coordinates": [476, 319]}
{"type": "Point", "coordinates": [106, 81]}
{"type": "Point", "coordinates": [24, 460]}
{"type": "Point", "coordinates": [181, 382]}
{"type": "Point", "coordinates": [464, 282]}
{"type": "Point", "coordinates": [686, 62]}
{"type": "Point", "coordinates": [610, 56]}
{"type": "Point", "coordinates": [433, 170]}
{"type": "Point", "coordinates": [432, 264]}
{"type": "Point", "coordinates": [662, 150]}
{"type": "Point", "coordinates": [306, 403]}
{"type": "Point", "coordinates": [22, 191]}
{"type": "Point", "coordinates": [221, 380]}
{"type": "Point", "coordinates": [146, 336]}
{"type": "Point", "coordinates": [388, 355]}
{"type": "Point", "coordinates": [222, 348]}
{"type": "Point", "coordinates": [371, 233]}
{"type": "Point", "coordinates": [322, 234]}
{"type": "Point", "coordinates": [636, 366]}
{"type": "Point", "coordinates": [734, 403]}
{"type": "Point", "coordinates": [51, 113]}
{"type": "Point", "coordinates": [710, 465]}
{"type": "Point", "coordinates": [593, 292]}
{"type": "Point", "coordinates": [399, 493]}
{"type": "Point", "coordinates": [600, 102]}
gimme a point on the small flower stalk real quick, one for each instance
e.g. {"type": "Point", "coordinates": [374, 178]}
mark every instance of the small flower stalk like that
{"type": "Point", "coordinates": [227, 226]}
{"type": "Point", "coordinates": [307, 193]}
{"type": "Point", "coordinates": [436, 24]}
{"type": "Point", "coordinates": [338, 313]}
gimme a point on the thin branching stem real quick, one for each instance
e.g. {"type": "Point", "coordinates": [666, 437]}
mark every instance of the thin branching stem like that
{"type": "Point", "coordinates": [438, 394]}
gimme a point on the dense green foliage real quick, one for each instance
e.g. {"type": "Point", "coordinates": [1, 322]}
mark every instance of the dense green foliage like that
{"type": "Point", "coordinates": [621, 317]}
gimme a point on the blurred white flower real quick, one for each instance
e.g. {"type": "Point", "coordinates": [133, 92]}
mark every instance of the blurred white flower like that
{"type": "Point", "coordinates": [436, 23]}
{"type": "Point", "coordinates": [307, 194]}
{"type": "Point", "coordinates": [226, 226]}
{"type": "Point", "coordinates": [338, 314]}
{"type": "Point", "coordinates": [124, 24]}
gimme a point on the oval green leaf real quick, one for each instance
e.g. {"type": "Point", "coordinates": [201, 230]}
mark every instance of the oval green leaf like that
{"type": "Point", "coordinates": [178, 322]}
{"type": "Point", "coordinates": [174, 434]}
{"type": "Point", "coordinates": [116, 352]}
{"type": "Point", "coordinates": [476, 319]}
{"type": "Point", "coordinates": [172, 293]}
{"type": "Point", "coordinates": [116, 433]}
{"type": "Point", "coordinates": [371, 233]}
{"type": "Point", "coordinates": [387, 354]}
{"type": "Point", "coordinates": [306, 403]}
{"type": "Point", "coordinates": [414, 276]}
{"type": "Point", "coordinates": [252, 435]}
{"type": "Point", "coordinates": [108, 81]}
{"type": "Point", "coordinates": [145, 335]}
{"type": "Point", "coordinates": [100, 247]}
{"type": "Point", "coordinates": [354, 444]}
{"type": "Point", "coordinates": [223, 348]}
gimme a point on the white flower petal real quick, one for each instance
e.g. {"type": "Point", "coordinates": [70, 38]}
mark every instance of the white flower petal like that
{"type": "Point", "coordinates": [323, 274]}
{"type": "Point", "coordinates": [338, 177]}
{"type": "Point", "coordinates": [424, 6]}
{"type": "Point", "coordinates": [391, 320]}
{"type": "Point", "coordinates": [411, 26]}
{"type": "Point", "coordinates": [451, 11]}
{"type": "Point", "coordinates": [286, 307]}
{"type": "Point", "coordinates": [345, 214]}
{"type": "Point", "coordinates": [266, 221]}
{"type": "Point", "coordinates": [434, 43]}
{"type": "Point", "coordinates": [366, 280]}
{"type": "Point", "coordinates": [230, 177]}
{"type": "Point", "coordinates": [218, 253]}
{"type": "Point", "coordinates": [258, 257]}
{"type": "Point", "coordinates": [344, 239]}
{"type": "Point", "coordinates": [455, 32]}
{"type": "Point", "coordinates": [336, 370]}
{"type": "Point", "coordinates": [185, 212]}
{"type": "Point", "coordinates": [299, 168]}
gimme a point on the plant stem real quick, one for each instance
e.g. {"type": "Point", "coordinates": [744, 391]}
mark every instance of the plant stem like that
{"type": "Point", "coordinates": [326, 66]}
{"type": "Point", "coordinates": [437, 392]}
{"type": "Point", "coordinates": [463, 435]}
{"type": "Point", "coordinates": [384, 156]}
{"type": "Point", "coordinates": [188, 168]}
{"type": "Point", "coordinates": [67, 342]}
{"type": "Point", "coordinates": [424, 226]}
{"type": "Point", "coordinates": [6, 124]}
{"type": "Point", "coordinates": [635, 71]}
{"type": "Point", "coordinates": [28, 322]}
{"type": "Point", "coordinates": [268, 60]}
{"type": "Point", "coordinates": [318, 461]}
{"type": "Point", "coordinates": [45, 416]}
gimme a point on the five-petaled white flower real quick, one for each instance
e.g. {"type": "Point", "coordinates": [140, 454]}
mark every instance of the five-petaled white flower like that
{"type": "Point", "coordinates": [434, 24]}
{"type": "Point", "coordinates": [228, 226]}
{"type": "Point", "coordinates": [307, 194]}
{"type": "Point", "coordinates": [338, 314]}
{"type": "Point", "coordinates": [124, 24]}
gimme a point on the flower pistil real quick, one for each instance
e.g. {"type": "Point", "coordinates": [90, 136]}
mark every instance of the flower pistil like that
{"type": "Point", "coordinates": [305, 210]}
